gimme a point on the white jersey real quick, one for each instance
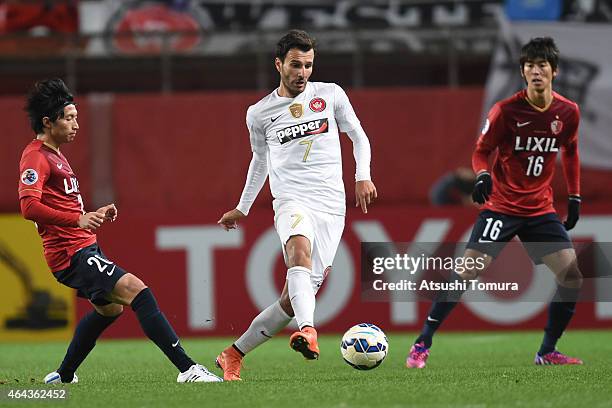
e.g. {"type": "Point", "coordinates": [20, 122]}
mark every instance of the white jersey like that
{"type": "Point", "coordinates": [299, 137]}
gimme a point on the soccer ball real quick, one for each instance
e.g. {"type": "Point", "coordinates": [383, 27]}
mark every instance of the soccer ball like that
{"type": "Point", "coordinates": [364, 346]}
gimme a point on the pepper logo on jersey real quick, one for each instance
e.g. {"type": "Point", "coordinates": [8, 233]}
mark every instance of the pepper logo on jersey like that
{"type": "Point", "coordinates": [29, 177]}
{"type": "Point", "coordinates": [556, 126]}
{"type": "Point", "coordinates": [314, 127]}
{"type": "Point", "coordinates": [297, 110]}
{"type": "Point", "coordinates": [317, 104]}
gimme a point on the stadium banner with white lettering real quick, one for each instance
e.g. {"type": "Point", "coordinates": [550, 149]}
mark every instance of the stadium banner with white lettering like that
{"type": "Point", "coordinates": [33, 306]}
{"type": "Point", "coordinates": [584, 76]}
{"type": "Point", "coordinates": [212, 282]}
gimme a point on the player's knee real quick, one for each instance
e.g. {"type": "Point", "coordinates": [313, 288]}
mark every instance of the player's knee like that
{"type": "Point", "coordinates": [133, 285]}
{"type": "Point", "coordinates": [298, 251]}
{"type": "Point", "coordinates": [572, 277]}
{"type": "Point", "coordinates": [128, 287]}
{"type": "Point", "coordinates": [299, 256]}
{"type": "Point", "coordinates": [110, 310]}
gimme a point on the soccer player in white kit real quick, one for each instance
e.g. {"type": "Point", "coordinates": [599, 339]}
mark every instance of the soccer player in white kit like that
{"type": "Point", "coordinates": [294, 134]}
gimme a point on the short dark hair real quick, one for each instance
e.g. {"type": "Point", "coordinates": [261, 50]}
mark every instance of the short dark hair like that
{"type": "Point", "coordinates": [295, 39]}
{"type": "Point", "coordinates": [540, 48]}
{"type": "Point", "coordinates": [48, 98]}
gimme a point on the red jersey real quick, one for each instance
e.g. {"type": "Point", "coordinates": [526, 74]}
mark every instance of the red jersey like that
{"type": "Point", "coordinates": [46, 175]}
{"type": "Point", "coordinates": [527, 140]}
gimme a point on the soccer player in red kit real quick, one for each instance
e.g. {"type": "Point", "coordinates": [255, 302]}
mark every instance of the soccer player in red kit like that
{"type": "Point", "coordinates": [524, 133]}
{"type": "Point", "coordinates": [49, 196]}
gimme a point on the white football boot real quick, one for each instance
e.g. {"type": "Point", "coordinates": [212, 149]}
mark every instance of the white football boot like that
{"type": "Point", "coordinates": [197, 373]}
{"type": "Point", "coordinates": [55, 378]}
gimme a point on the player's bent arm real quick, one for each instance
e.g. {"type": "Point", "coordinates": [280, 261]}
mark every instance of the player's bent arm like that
{"type": "Point", "coordinates": [34, 210]}
{"type": "Point", "coordinates": [256, 177]}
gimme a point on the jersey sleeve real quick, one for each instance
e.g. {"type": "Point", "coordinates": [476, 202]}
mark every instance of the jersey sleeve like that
{"type": "Point", "coordinates": [490, 137]}
{"type": "Point", "coordinates": [34, 171]}
{"type": "Point", "coordinates": [343, 111]}
{"type": "Point", "coordinates": [258, 168]}
{"type": "Point", "coordinates": [570, 157]}
{"type": "Point", "coordinates": [256, 134]}
{"type": "Point", "coordinates": [32, 209]}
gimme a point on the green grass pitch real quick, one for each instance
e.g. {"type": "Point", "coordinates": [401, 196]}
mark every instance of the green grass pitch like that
{"type": "Point", "coordinates": [475, 370]}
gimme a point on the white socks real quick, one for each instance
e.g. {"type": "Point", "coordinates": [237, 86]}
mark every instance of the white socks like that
{"type": "Point", "coordinates": [302, 295]}
{"type": "Point", "coordinates": [273, 319]}
{"type": "Point", "coordinates": [266, 324]}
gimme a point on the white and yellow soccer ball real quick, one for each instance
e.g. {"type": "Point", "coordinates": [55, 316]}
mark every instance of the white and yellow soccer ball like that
{"type": "Point", "coordinates": [364, 346]}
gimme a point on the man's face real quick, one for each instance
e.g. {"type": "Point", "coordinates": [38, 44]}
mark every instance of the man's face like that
{"type": "Point", "coordinates": [295, 70]}
{"type": "Point", "coordinates": [538, 74]}
{"type": "Point", "coordinates": [65, 128]}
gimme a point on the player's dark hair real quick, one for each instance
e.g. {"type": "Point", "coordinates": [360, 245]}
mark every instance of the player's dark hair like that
{"type": "Point", "coordinates": [47, 98]}
{"type": "Point", "coordinates": [295, 39]}
{"type": "Point", "coordinates": [540, 48]}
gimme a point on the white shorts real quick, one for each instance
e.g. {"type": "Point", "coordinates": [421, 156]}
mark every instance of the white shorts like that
{"type": "Point", "coordinates": [322, 229]}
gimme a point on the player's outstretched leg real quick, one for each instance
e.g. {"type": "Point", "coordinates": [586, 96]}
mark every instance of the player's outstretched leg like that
{"type": "Point", "coordinates": [266, 324]}
{"type": "Point", "coordinates": [131, 291]}
{"type": "Point", "coordinates": [89, 328]}
{"type": "Point", "coordinates": [442, 306]}
{"type": "Point", "coordinates": [158, 329]}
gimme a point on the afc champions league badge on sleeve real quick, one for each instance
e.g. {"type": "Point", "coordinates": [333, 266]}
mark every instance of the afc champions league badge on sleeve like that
{"type": "Point", "coordinates": [29, 177]}
{"type": "Point", "coordinates": [317, 104]}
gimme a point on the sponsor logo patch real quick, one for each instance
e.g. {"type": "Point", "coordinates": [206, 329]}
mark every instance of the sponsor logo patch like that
{"type": "Point", "coordinates": [317, 104]}
{"type": "Point", "coordinates": [29, 177]}
{"type": "Point", "coordinates": [313, 127]}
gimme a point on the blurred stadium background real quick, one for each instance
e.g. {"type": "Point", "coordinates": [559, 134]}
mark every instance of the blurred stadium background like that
{"type": "Point", "coordinates": [163, 88]}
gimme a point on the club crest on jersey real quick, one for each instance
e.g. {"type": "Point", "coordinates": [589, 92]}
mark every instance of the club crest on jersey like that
{"type": "Point", "coordinates": [317, 104]}
{"type": "Point", "coordinates": [556, 126]}
{"type": "Point", "coordinates": [314, 127]}
{"type": "Point", "coordinates": [297, 110]}
{"type": "Point", "coordinates": [29, 177]}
